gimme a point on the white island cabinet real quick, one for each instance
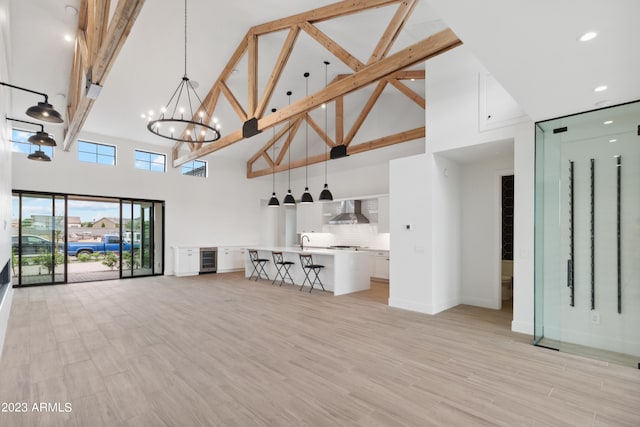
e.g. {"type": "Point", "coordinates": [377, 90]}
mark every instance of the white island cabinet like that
{"type": "Point", "coordinates": [344, 272]}
{"type": "Point", "coordinates": [186, 260]}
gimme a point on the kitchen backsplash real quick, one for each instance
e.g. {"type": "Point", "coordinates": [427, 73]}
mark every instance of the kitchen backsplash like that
{"type": "Point", "coordinates": [365, 235]}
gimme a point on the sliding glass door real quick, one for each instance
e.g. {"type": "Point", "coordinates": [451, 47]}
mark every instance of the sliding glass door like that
{"type": "Point", "coordinates": [38, 239]}
{"type": "Point", "coordinates": [60, 238]}
{"type": "Point", "coordinates": [142, 229]}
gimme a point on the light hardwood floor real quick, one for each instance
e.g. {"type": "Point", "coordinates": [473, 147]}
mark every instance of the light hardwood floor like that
{"type": "Point", "coordinates": [219, 350]}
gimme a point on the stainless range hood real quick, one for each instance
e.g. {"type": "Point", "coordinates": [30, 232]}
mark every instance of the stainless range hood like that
{"type": "Point", "coordinates": [350, 213]}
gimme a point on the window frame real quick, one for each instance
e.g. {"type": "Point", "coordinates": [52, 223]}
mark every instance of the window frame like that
{"type": "Point", "coordinates": [97, 154]}
{"type": "Point", "coordinates": [193, 162]}
{"type": "Point", "coordinates": [49, 151]}
{"type": "Point", "coordinates": [149, 162]}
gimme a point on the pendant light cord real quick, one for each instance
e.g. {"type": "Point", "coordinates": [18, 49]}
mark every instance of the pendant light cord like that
{"type": "Point", "coordinates": [289, 148]}
{"type": "Point", "coordinates": [185, 38]}
{"type": "Point", "coordinates": [326, 112]}
{"type": "Point", "coordinates": [273, 168]}
{"type": "Point", "coordinates": [306, 139]}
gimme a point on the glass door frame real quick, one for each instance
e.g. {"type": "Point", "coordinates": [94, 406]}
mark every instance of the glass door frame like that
{"type": "Point", "coordinates": [154, 204]}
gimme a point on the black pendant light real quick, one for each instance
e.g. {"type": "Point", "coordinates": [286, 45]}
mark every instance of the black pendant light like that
{"type": "Point", "coordinates": [40, 137]}
{"type": "Point", "coordinates": [41, 111]}
{"type": "Point", "coordinates": [325, 195]}
{"type": "Point", "coordinates": [39, 156]}
{"type": "Point", "coordinates": [273, 201]}
{"type": "Point", "coordinates": [306, 196]}
{"type": "Point", "coordinates": [288, 199]}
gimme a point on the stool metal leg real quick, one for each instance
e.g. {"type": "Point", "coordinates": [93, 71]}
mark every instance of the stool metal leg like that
{"type": "Point", "coordinates": [261, 266]}
{"type": "Point", "coordinates": [317, 270]}
{"type": "Point", "coordinates": [287, 274]}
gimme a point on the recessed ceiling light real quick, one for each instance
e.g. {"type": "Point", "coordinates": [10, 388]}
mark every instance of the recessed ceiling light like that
{"type": "Point", "coordinates": [143, 116]}
{"type": "Point", "coordinates": [608, 122]}
{"type": "Point", "coordinates": [68, 37]}
{"type": "Point", "coordinates": [600, 88]}
{"type": "Point", "coordinates": [612, 140]}
{"type": "Point", "coordinates": [603, 103]}
{"type": "Point", "coordinates": [70, 10]}
{"type": "Point", "coordinates": [590, 35]}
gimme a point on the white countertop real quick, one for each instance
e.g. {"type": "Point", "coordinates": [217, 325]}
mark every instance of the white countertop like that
{"type": "Point", "coordinates": [313, 251]}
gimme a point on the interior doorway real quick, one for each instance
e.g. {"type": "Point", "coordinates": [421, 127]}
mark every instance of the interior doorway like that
{"type": "Point", "coordinates": [506, 244]}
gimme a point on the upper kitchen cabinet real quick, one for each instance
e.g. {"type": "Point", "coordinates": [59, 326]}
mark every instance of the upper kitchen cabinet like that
{"type": "Point", "coordinates": [309, 218]}
{"type": "Point", "coordinates": [383, 214]}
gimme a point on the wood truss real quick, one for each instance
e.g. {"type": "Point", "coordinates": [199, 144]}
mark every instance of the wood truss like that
{"type": "Point", "coordinates": [381, 67]}
{"type": "Point", "coordinates": [98, 42]}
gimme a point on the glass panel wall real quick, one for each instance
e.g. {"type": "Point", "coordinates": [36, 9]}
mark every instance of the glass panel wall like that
{"type": "Point", "coordinates": [587, 225]}
{"type": "Point", "coordinates": [61, 238]}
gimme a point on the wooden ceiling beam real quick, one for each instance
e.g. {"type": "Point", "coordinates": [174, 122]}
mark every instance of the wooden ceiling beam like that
{"type": "Point", "coordinates": [235, 104]}
{"type": "Point", "coordinates": [392, 31]}
{"type": "Point", "coordinates": [339, 121]}
{"type": "Point", "coordinates": [333, 47]}
{"type": "Point", "coordinates": [365, 112]}
{"type": "Point", "coordinates": [419, 52]}
{"type": "Point", "coordinates": [276, 73]}
{"type": "Point", "coordinates": [118, 29]}
{"type": "Point", "coordinates": [408, 92]}
{"type": "Point", "coordinates": [385, 141]}
{"type": "Point", "coordinates": [269, 144]}
{"type": "Point", "coordinates": [321, 133]}
{"type": "Point", "coordinates": [252, 80]}
{"type": "Point", "coordinates": [325, 13]}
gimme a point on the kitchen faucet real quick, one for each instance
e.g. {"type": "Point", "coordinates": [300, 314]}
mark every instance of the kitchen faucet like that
{"type": "Point", "coordinates": [302, 241]}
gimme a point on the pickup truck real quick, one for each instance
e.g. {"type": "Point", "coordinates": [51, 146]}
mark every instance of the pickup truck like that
{"type": "Point", "coordinates": [109, 244]}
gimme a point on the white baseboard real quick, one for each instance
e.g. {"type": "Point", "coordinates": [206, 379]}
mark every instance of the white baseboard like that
{"type": "Point", "coordinates": [480, 302]}
{"type": "Point", "coordinates": [446, 306]}
{"type": "Point", "coordinates": [410, 305]}
{"type": "Point", "coordinates": [5, 308]}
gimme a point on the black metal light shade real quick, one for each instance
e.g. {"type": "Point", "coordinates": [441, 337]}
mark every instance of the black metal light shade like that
{"type": "Point", "coordinates": [45, 112]}
{"type": "Point", "coordinates": [39, 156]}
{"type": "Point", "coordinates": [273, 201]}
{"type": "Point", "coordinates": [306, 196]}
{"type": "Point", "coordinates": [42, 138]}
{"type": "Point", "coordinates": [325, 195]}
{"type": "Point", "coordinates": [288, 199]}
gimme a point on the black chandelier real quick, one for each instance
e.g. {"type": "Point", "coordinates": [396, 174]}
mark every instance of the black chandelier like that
{"type": "Point", "coordinates": [172, 122]}
{"type": "Point", "coordinates": [42, 110]}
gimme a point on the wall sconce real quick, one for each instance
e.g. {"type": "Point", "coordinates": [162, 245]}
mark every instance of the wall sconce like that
{"type": "Point", "coordinates": [41, 111]}
{"type": "Point", "coordinates": [41, 137]}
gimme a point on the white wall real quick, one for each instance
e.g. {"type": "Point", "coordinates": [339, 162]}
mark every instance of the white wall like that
{"type": "Point", "coordinates": [453, 121]}
{"type": "Point", "coordinates": [5, 165]}
{"type": "Point", "coordinates": [410, 263]}
{"type": "Point", "coordinates": [223, 209]}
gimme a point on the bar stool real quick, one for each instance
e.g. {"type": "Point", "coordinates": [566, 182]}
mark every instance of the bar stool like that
{"type": "Point", "coordinates": [308, 266]}
{"type": "Point", "coordinates": [258, 264]}
{"type": "Point", "coordinates": [282, 268]}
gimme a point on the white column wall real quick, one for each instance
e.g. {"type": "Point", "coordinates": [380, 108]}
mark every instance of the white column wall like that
{"type": "Point", "coordinates": [446, 208]}
{"type": "Point", "coordinates": [5, 165]}
{"type": "Point", "coordinates": [410, 263]}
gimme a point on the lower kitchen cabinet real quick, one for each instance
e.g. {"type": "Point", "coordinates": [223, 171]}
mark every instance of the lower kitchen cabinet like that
{"type": "Point", "coordinates": [186, 261]}
{"type": "Point", "coordinates": [381, 265]}
{"type": "Point", "coordinates": [231, 258]}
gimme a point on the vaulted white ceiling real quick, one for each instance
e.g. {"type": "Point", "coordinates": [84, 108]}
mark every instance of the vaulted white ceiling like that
{"type": "Point", "coordinates": [530, 47]}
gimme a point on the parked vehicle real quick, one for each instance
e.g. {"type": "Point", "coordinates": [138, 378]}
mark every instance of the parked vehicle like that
{"type": "Point", "coordinates": [110, 243]}
{"type": "Point", "coordinates": [31, 245]}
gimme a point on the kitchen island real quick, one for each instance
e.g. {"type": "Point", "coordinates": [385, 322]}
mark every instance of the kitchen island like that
{"type": "Point", "coordinates": [344, 272]}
